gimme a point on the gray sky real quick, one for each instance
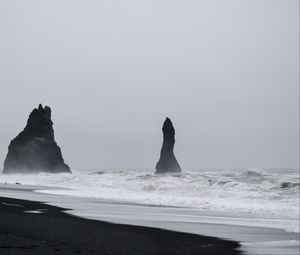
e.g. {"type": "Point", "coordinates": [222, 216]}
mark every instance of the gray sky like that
{"type": "Point", "coordinates": [225, 72]}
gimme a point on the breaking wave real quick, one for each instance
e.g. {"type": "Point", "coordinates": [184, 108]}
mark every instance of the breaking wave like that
{"type": "Point", "coordinates": [260, 193]}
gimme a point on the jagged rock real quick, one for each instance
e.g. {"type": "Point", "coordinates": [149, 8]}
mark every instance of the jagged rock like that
{"type": "Point", "coordinates": [34, 149]}
{"type": "Point", "coordinates": [167, 161]}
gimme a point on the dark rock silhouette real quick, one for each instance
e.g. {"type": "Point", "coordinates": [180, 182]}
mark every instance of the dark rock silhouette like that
{"type": "Point", "coordinates": [34, 149]}
{"type": "Point", "coordinates": [167, 161]}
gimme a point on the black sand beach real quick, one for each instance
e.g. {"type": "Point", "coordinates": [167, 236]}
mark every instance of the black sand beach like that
{"type": "Point", "coordinates": [24, 231]}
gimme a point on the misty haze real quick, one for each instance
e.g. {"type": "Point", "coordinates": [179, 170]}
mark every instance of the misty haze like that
{"type": "Point", "coordinates": [173, 115]}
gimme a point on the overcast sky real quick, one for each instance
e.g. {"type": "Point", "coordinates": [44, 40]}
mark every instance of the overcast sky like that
{"type": "Point", "coordinates": [225, 72]}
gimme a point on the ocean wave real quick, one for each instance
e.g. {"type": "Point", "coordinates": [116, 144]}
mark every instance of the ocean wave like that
{"type": "Point", "coordinates": [289, 185]}
{"type": "Point", "coordinates": [256, 192]}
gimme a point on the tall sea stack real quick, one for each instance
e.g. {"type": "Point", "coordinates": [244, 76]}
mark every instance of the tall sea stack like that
{"type": "Point", "coordinates": [34, 149]}
{"type": "Point", "coordinates": [167, 162]}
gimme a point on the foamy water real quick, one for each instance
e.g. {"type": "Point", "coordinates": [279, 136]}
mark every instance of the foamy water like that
{"type": "Point", "coordinates": [258, 193]}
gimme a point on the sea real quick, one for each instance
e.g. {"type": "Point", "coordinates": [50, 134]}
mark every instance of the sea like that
{"type": "Point", "coordinates": [256, 193]}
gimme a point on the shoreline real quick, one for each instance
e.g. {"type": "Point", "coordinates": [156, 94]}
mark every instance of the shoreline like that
{"type": "Point", "coordinates": [253, 239]}
{"type": "Point", "coordinates": [47, 193]}
{"type": "Point", "coordinates": [37, 228]}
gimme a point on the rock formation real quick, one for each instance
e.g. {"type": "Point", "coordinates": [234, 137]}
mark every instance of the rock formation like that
{"type": "Point", "coordinates": [34, 149]}
{"type": "Point", "coordinates": [167, 161]}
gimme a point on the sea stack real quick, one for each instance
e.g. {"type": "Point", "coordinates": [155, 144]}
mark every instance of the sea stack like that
{"type": "Point", "coordinates": [34, 149]}
{"type": "Point", "coordinates": [167, 162]}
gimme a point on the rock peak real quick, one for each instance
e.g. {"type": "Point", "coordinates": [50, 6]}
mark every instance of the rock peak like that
{"type": "Point", "coordinates": [168, 122]}
{"type": "Point", "coordinates": [39, 122]}
{"type": "Point", "coordinates": [35, 149]}
{"type": "Point", "coordinates": [168, 127]}
{"type": "Point", "coordinates": [168, 161]}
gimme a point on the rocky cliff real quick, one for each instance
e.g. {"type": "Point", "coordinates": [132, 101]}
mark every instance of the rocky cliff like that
{"type": "Point", "coordinates": [35, 149]}
{"type": "Point", "coordinates": [167, 161]}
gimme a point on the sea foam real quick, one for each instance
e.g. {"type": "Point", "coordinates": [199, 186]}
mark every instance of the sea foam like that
{"type": "Point", "coordinates": [257, 193]}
